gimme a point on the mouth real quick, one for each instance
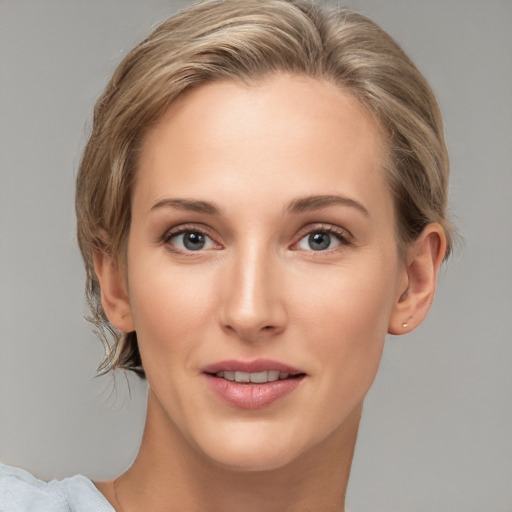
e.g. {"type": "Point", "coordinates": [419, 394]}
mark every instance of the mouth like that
{"type": "Point", "coordinates": [259, 371]}
{"type": "Point", "coordinates": [254, 384]}
{"type": "Point", "coordinates": [256, 377]}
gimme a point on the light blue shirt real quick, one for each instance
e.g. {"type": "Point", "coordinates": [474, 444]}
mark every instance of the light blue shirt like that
{"type": "Point", "coordinates": [22, 492]}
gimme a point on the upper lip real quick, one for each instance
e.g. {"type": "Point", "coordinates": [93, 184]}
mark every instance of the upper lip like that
{"type": "Point", "coordinates": [255, 366]}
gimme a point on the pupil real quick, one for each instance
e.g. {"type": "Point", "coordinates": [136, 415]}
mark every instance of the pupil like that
{"type": "Point", "coordinates": [319, 241]}
{"type": "Point", "coordinates": [193, 241]}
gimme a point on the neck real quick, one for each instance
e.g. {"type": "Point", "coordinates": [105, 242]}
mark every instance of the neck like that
{"type": "Point", "coordinates": [170, 474]}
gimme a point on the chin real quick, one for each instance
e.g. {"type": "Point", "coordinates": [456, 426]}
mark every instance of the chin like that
{"type": "Point", "coordinates": [257, 460]}
{"type": "Point", "coordinates": [246, 448]}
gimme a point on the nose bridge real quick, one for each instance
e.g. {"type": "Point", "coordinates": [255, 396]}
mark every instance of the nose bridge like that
{"type": "Point", "coordinates": [252, 298]}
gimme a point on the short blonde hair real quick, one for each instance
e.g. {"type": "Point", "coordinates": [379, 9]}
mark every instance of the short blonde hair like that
{"type": "Point", "coordinates": [245, 40]}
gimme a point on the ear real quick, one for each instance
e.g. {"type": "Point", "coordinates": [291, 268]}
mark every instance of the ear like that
{"type": "Point", "coordinates": [114, 293]}
{"type": "Point", "coordinates": [414, 298]}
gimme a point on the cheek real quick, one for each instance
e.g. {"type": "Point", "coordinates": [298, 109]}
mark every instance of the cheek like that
{"type": "Point", "coordinates": [171, 306]}
{"type": "Point", "coordinates": [349, 299]}
{"type": "Point", "coordinates": [344, 320]}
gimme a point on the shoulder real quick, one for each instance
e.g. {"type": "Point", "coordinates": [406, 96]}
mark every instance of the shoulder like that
{"type": "Point", "coordinates": [22, 492]}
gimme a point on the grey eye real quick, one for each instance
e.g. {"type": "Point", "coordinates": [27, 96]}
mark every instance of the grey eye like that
{"type": "Point", "coordinates": [319, 241]}
{"type": "Point", "coordinates": [191, 241]}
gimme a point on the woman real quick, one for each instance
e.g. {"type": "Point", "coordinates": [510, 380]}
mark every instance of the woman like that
{"type": "Point", "coordinates": [262, 199]}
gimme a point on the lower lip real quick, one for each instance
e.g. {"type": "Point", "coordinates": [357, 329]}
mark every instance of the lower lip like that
{"type": "Point", "coordinates": [251, 396]}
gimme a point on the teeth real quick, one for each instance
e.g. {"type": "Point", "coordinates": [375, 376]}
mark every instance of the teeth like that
{"type": "Point", "coordinates": [256, 377]}
{"type": "Point", "coordinates": [243, 377]}
{"type": "Point", "coordinates": [273, 375]}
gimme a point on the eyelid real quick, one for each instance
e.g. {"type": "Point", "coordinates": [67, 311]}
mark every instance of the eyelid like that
{"type": "Point", "coordinates": [343, 235]}
{"type": "Point", "coordinates": [187, 228]}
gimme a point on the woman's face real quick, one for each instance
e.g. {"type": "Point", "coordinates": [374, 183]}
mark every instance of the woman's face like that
{"type": "Point", "coordinates": [262, 244]}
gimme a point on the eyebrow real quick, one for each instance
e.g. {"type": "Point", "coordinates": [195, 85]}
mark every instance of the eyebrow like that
{"type": "Point", "coordinates": [312, 203]}
{"type": "Point", "coordinates": [300, 205]}
{"type": "Point", "coordinates": [190, 205]}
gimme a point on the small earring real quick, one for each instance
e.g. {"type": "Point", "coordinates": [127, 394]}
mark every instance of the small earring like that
{"type": "Point", "coordinates": [405, 324]}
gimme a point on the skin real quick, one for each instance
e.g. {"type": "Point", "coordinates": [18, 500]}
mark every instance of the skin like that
{"type": "Point", "coordinates": [258, 289]}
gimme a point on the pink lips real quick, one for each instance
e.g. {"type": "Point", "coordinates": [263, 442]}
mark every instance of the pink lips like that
{"type": "Point", "coordinates": [251, 395]}
{"type": "Point", "coordinates": [258, 365]}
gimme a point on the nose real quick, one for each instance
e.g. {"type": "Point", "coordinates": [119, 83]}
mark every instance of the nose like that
{"type": "Point", "coordinates": [253, 296]}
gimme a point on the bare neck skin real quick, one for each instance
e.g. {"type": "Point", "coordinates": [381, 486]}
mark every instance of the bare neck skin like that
{"type": "Point", "coordinates": [169, 474]}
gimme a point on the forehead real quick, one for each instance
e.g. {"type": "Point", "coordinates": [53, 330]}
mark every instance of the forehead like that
{"type": "Point", "coordinates": [285, 136]}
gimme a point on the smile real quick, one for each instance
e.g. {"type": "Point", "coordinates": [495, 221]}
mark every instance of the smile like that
{"type": "Point", "coordinates": [252, 384]}
{"type": "Point", "coordinates": [256, 377]}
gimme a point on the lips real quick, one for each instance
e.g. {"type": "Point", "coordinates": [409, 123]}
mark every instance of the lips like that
{"type": "Point", "coordinates": [254, 377]}
{"type": "Point", "coordinates": [252, 384]}
{"type": "Point", "coordinates": [258, 365]}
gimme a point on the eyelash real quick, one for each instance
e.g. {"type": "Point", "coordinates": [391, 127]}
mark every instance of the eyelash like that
{"type": "Point", "coordinates": [183, 229]}
{"type": "Point", "coordinates": [342, 236]}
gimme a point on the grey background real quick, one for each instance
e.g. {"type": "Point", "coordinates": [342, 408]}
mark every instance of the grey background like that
{"type": "Point", "coordinates": [437, 429]}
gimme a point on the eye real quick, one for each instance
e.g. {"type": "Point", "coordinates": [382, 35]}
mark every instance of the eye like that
{"type": "Point", "coordinates": [190, 240]}
{"type": "Point", "coordinates": [322, 240]}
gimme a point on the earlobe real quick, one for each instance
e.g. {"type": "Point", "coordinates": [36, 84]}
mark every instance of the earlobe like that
{"type": "Point", "coordinates": [114, 294]}
{"type": "Point", "coordinates": [414, 298]}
